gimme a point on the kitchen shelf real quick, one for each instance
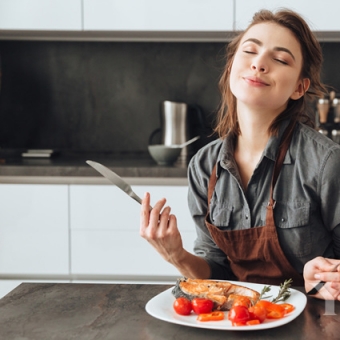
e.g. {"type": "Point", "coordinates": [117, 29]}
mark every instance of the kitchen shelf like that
{"type": "Point", "coordinates": [139, 36]}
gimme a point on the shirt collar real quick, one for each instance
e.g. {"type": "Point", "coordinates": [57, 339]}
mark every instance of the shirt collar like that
{"type": "Point", "coordinates": [226, 155]}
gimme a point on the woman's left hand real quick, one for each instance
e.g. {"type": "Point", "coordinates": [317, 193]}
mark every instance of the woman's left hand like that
{"type": "Point", "coordinates": [323, 269]}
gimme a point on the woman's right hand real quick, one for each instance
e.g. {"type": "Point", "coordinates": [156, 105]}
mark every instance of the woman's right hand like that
{"type": "Point", "coordinates": [323, 269]}
{"type": "Point", "coordinates": [159, 228]}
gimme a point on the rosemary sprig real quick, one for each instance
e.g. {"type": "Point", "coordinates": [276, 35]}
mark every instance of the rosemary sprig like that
{"type": "Point", "coordinates": [264, 290]}
{"type": "Point", "coordinates": [284, 292]}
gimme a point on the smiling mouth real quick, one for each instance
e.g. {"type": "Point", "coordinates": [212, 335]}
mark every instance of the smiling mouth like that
{"type": "Point", "coordinates": [255, 81]}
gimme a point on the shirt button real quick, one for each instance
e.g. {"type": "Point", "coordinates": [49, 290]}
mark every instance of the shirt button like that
{"type": "Point", "coordinates": [283, 220]}
{"type": "Point", "coordinates": [247, 217]}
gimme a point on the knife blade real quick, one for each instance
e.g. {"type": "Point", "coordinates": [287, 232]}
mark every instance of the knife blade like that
{"type": "Point", "coordinates": [115, 179]}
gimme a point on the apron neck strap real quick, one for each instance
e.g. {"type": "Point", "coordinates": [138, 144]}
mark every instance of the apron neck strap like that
{"type": "Point", "coordinates": [283, 147]}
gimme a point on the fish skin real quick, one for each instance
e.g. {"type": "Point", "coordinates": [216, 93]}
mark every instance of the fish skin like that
{"type": "Point", "coordinates": [222, 293]}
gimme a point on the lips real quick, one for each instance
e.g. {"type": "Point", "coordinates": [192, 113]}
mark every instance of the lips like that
{"type": "Point", "coordinates": [256, 81]}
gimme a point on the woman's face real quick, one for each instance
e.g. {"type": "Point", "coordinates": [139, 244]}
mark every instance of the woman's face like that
{"type": "Point", "coordinates": [266, 69]}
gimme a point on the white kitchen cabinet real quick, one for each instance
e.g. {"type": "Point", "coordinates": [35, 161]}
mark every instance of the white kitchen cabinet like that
{"type": "Point", "coordinates": [41, 15]}
{"type": "Point", "coordinates": [320, 15]}
{"type": "Point", "coordinates": [34, 229]}
{"type": "Point", "coordinates": [105, 236]}
{"type": "Point", "coordinates": [7, 286]}
{"type": "Point", "coordinates": [156, 15]}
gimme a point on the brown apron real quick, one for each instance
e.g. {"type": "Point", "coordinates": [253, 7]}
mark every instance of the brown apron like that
{"type": "Point", "coordinates": [255, 254]}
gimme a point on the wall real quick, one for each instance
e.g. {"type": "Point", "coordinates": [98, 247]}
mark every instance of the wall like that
{"type": "Point", "coordinates": [105, 96]}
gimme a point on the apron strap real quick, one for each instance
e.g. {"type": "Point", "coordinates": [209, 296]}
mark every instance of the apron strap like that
{"type": "Point", "coordinates": [283, 148]}
{"type": "Point", "coordinates": [212, 184]}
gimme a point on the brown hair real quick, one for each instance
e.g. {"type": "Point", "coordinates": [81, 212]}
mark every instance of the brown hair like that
{"type": "Point", "coordinates": [311, 68]}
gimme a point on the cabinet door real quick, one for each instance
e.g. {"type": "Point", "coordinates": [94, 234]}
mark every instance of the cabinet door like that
{"type": "Point", "coordinates": [155, 15]}
{"type": "Point", "coordinates": [105, 231]}
{"type": "Point", "coordinates": [40, 15]}
{"type": "Point", "coordinates": [320, 15]}
{"type": "Point", "coordinates": [7, 286]}
{"type": "Point", "coordinates": [34, 229]}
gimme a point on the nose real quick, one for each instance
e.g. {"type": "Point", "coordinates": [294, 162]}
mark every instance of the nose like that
{"type": "Point", "coordinates": [258, 64]}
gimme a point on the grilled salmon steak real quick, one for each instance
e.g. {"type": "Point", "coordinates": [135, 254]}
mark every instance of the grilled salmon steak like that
{"type": "Point", "coordinates": [222, 293]}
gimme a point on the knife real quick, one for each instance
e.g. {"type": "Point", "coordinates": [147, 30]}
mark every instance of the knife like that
{"type": "Point", "coordinates": [115, 179]}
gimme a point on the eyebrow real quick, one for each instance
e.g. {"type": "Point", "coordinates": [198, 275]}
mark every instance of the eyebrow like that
{"type": "Point", "coordinates": [278, 48]}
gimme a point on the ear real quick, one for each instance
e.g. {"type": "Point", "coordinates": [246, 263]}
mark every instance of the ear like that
{"type": "Point", "coordinates": [301, 88]}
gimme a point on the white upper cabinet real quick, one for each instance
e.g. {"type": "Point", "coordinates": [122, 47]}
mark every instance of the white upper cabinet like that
{"type": "Point", "coordinates": [41, 15]}
{"type": "Point", "coordinates": [320, 15]}
{"type": "Point", "coordinates": [130, 18]}
{"type": "Point", "coordinates": [158, 15]}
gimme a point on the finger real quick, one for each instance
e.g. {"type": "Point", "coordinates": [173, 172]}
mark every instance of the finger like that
{"type": "Point", "coordinates": [322, 265]}
{"type": "Point", "coordinates": [144, 212]}
{"type": "Point", "coordinates": [328, 276]}
{"type": "Point", "coordinates": [164, 221]}
{"type": "Point", "coordinates": [336, 286]}
{"type": "Point", "coordinates": [155, 212]}
{"type": "Point", "coordinates": [172, 222]}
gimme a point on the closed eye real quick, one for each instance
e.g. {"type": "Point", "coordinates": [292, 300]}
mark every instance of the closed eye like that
{"type": "Point", "coordinates": [249, 52]}
{"type": "Point", "coordinates": [281, 61]}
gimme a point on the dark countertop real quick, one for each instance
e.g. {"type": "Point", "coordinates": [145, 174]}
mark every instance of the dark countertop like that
{"type": "Point", "coordinates": [68, 164]}
{"type": "Point", "coordinates": [117, 311]}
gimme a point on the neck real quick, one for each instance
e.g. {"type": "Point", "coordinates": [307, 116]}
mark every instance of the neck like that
{"type": "Point", "coordinates": [254, 132]}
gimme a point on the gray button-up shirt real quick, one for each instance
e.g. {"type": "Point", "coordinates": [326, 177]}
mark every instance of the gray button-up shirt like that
{"type": "Point", "coordinates": [307, 195]}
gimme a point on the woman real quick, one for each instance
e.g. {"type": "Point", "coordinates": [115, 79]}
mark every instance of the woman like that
{"type": "Point", "coordinates": [264, 195]}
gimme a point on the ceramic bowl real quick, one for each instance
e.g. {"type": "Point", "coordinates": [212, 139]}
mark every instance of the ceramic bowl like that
{"type": "Point", "coordinates": [164, 155]}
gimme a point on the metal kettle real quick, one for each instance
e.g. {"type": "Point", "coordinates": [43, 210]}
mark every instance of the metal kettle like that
{"type": "Point", "coordinates": [177, 120]}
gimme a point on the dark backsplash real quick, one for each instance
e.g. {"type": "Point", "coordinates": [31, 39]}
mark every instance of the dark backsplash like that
{"type": "Point", "coordinates": [105, 96]}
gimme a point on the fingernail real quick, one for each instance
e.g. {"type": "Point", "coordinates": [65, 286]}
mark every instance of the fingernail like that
{"type": "Point", "coordinates": [317, 276]}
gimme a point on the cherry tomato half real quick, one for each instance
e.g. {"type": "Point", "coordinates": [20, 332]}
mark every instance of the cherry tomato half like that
{"type": "Point", "coordinates": [287, 307]}
{"type": "Point", "coordinates": [274, 311]}
{"type": "Point", "coordinates": [258, 312]}
{"type": "Point", "coordinates": [239, 315]}
{"type": "Point", "coordinates": [182, 306]}
{"type": "Point", "coordinates": [201, 305]}
{"type": "Point", "coordinates": [240, 300]}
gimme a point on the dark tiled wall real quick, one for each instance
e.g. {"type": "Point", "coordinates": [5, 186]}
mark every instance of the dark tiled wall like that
{"type": "Point", "coordinates": [105, 96]}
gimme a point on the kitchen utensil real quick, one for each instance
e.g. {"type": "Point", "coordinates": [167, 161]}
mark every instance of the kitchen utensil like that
{"type": "Point", "coordinates": [177, 125]}
{"type": "Point", "coordinates": [174, 122]}
{"type": "Point", "coordinates": [115, 179]}
{"type": "Point", "coordinates": [323, 106]}
{"type": "Point", "coordinates": [180, 146]}
{"type": "Point", "coordinates": [336, 136]}
{"type": "Point", "coordinates": [321, 283]}
{"type": "Point", "coordinates": [336, 109]}
{"type": "Point", "coordinates": [164, 154]}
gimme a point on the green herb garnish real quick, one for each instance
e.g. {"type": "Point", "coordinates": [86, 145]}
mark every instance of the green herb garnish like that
{"type": "Point", "coordinates": [284, 292]}
{"type": "Point", "coordinates": [262, 296]}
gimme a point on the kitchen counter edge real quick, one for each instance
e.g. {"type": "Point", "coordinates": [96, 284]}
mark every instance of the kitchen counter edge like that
{"type": "Point", "coordinates": [83, 180]}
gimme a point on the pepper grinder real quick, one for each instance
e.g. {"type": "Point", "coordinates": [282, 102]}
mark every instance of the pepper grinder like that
{"type": "Point", "coordinates": [323, 105]}
{"type": "Point", "coordinates": [336, 119]}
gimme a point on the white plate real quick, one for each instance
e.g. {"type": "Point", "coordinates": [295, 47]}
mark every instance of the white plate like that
{"type": "Point", "coordinates": [161, 308]}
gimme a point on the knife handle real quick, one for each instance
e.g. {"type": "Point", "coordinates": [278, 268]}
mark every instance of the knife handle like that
{"type": "Point", "coordinates": [137, 198]}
